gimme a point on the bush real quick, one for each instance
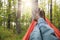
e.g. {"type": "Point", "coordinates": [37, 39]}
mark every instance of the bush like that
{"type": "Point", "coordinates": [5, 33]}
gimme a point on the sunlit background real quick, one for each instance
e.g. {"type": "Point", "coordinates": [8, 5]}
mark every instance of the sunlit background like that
{"type": "Point", "coordinates": [26, 5]}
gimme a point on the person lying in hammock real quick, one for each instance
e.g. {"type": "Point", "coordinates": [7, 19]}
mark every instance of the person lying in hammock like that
{"type": "Point", "coordinates": [42, 31]}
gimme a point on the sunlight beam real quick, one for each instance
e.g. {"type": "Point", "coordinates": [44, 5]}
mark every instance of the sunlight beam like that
{"type": "Point", "coordinates": [28, 3]}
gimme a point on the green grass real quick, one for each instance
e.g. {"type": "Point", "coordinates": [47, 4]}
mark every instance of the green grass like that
{"type": "Point", "coordinates": [6, 34]}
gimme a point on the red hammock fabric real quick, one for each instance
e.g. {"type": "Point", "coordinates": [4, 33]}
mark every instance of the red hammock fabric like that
{"type": "Point", "coordinates": [57, 32]}
{"type": "Point", "coordinates": [31, 27]}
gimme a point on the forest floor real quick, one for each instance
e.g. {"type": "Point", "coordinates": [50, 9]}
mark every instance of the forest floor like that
{"type": "Point", "coordinates": [6, 34]}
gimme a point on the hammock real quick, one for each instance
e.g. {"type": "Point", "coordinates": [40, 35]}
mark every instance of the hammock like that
{"type": "Point", "coordinates": [31, 27]}
{"type": "Point", "coordinates": [57, 32]}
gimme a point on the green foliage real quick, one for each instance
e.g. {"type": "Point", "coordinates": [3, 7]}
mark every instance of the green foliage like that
{"type": "Point", "coordinates": [4, 33]}
{"type": "Point", "coordinates": [0, 4]}
{"type": "Point", "coordinates": [56, 15]}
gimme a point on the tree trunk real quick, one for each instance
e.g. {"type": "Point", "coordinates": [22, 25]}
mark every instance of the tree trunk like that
{"type": "Point", "coordinates": [9, 12]}
{"type": "Point", "coordinates": [51, 11]}
{"type": "Point", "coordinates": [48, 9]}
{"type": "Point", "coordinates": [8, 25]}
{"type": "Point", "coordinates": [18, 15]}
{"type": "Point", "coordinates": [4, 15]}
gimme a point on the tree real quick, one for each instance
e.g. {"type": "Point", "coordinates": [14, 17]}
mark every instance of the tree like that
{"type": "Point", "coordinates": [48, 10]}
{"type": "Point", "coordinates": [18, 16]}
{"type": "Point", "coordinates": [0, 12]}
{"type": "Point", "coordinates": [51, 11]}
{"type": "Point", "coordinates": [56, 15]}
{"type": "Point", "coordinates": [9, 14]}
